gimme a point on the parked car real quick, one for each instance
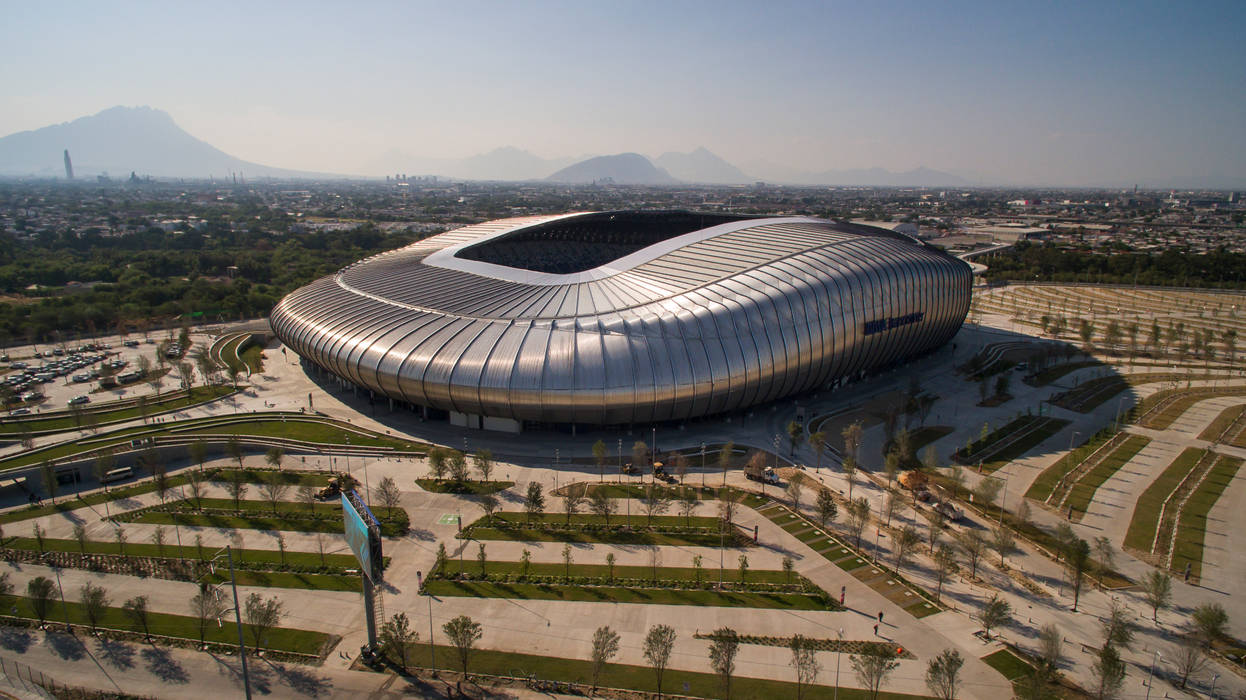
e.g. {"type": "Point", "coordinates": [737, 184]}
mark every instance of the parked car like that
{"type": "Point", "coordinates": [79, 399]}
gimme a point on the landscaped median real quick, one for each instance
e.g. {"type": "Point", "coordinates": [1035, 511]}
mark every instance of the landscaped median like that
{"type": "Point", "coordinates": [112, 412]}
{"type": "Point", "coordinates": [618, 529]}
{"type": "Point", "coordinates": [253, 567]}
{"type": "Point", "coordinates": [1009, 442]}
{"type": "Point", "coordinates": [259, 515]}
{"type": "Point", "coordinates": [223, 634]}
{"type": "Point", "coordinates": [656, 585]}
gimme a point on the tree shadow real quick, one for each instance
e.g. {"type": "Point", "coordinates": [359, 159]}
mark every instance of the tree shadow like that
{"type": "Point", "coordinates": [302, 680]}
{"type": "Point", "coordinates": [421, 535]}
{"type": "Point", "coordinates": [162, 665]}
{"type": "Point", "coordinates": [66, 646]}
{"type": "Point", "coordinates": [18, 640]}
{"type": "Point", "coordinates": [118, 654]}
{"type": "Point", "coordinates": [230, 667]}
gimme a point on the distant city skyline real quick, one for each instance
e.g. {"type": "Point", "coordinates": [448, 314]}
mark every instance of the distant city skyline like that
{"type": "Point", "coordinates": [1062, 94]}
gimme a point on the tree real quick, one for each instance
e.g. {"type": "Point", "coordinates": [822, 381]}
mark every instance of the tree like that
{"type": "Point", "coordinates": [656, 501]}
{"type": "Point", "coordinates": [307, 496]}
{"type": "Point", "coordinates": [136, 609]}
{"type": "Point", "coordinates": [794, 490]}
{"type": "Point", "coordinates": [681, 466]}
{"type": "Point", "coordinates": [236, 485]}
{"type": "Point", "coordinates": [525, 564]}
{"type": "Point", "coordinates": [48, 470]}
{"type": "Point", "coordinates": [158, 537]}
{"type": "Point", "coordinates": [104, 462]}
{"type": "Point", "coordinates": [1051, 645]}
{"type": "Point", "coordinates": [1210, 622]}
{"type": "Point", "coordinates": [873, 666]}
{"type": "Point", "coordinates": [262, 615]}
{"type": "Point", "coordinates": [566, 561]}
{"type": "Point", "coordinates": [640, 451]}
{"type": "Point", "coordinates": [858, 518]}
{"type": "Point", "coordinates": [1077, 557]}
{"type": "Point", "coordinates": [688, 503]}
{"type": "Point", "coordinates": [728, 506]}
{"type": "Point", "coordinates": [795, 435]}
{"type": "Point", "coordinates": [39, 532]}
{"type": "Point", "coordinates": [605, 646]}
{"type": "Point", "coordinates": [724, 457]}
{"type": "Point", "coordinates": [482, 559]}
{"type": "Point", "coordinates": [943, 674]}
{"type": "Point", "coordinates": [1118, 630]}
{"type": "Point", "coordinates": [1105, 552]}
{"type": "Point", "coordinates": [904, 542]}
{"type": "Point", "coordinates": [1187, 657]}
{"type": "Point", "coordinates": [534, 501]}
{"type": "Point", "coordinates": [573, 500]}
{"type": "Point", "coordinates": [456, 462]}
{"type": "Point", "coordinates": [1003, 542]}
{"type": "Point", "coordinates": [850, 472]}
{"type": "Point", "coordinates": [234, 448]}
{"type": "Point", "coordinates": [986, 491]}
{"type": "Point", "coordinates": [1108, 672]}
{"type": "Point", "coordinates": [934, 524]}
{"type": "Point", "coordinates": [463, 633]}
{"type": "Point", "coordinates": [826, 507]}
{"type": "Point", "coordinates": [599, 456]}
{"type": "Point", "coordinates": [437, 462]}
{"type": "Point", "coordinates": [387, 493]}
{"type": "Point", "coordinates": [39, 591]}
{"type": "Point", "coordinates": [891, 465]}
{"type": "Point", "coordinates": [743, 565]}
{"type": "Point", "coordinates": [852, 440]}
{"type": "Point", "coordinates": [396, 637]}
{"type": "Point", "coordinates": [724, 644]}
{"type": "Point", "coordinates": [890, 505]}
{"type": "Point", "coordinates": [483, 462]}
{"type": "Point", "coordinates": [995, 613]}
{"type": "Point", "coordinates": [945, 564]}
{"type": "Point", "coordinates": [274, 456]}
{"type": "Point", "coordinates": [788, 567]}
{"type": "Point", "coordinates": [818, 442]}
{"type": "Point", "coordinates": [602, 505]}
{"type": "Point", "coordinates": [489, 504]}
{"type": "Point", "coordinates": [657, 647]}
{"type": "Point", "coordinates": [805, 662]}
{"type": "Point", "coordinates": [207, 606]}
{"type": "Point", "coordinates": [274, 489]}
{"type": "Point", "coordinates": [80, 534]}
{"type": "Point", "coordinates": [197, 488]}
{"type": "Point", "coordinates": [610, 563]}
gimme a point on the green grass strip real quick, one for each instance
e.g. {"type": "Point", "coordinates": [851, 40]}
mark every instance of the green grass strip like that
{"type": "Point", "coordinates": [179, 626]}
{"type": "Point", "coordinates": [665, 573]}
{"type": "Point", "coordinates": [1192, 527]}
{"type": "Point", "coordinates": [1222, 422]}
{"type": "Point", "coordinates": [1083, 492]}
{"type": "Point", "coordinates": [259, 515]}
{"type": "Point", "coordinates": [639, 678]}
{"type": "Point", "coordinates": [1145, 520]}
{"type": "Point", "coordinates": [186, 551]}
{"type": "Point", "coordinates": [613, 594]}
{"type": "Point", "coordinates": [1046, 482]}
{"type": "Point", "coordinates": [195, 395]}
{"type": "Point", "coordinates": [1031, 440]}
{"type": "Point", "coordinates": [1010, 666]}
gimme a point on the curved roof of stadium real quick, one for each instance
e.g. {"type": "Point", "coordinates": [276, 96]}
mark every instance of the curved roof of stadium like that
{"type": "Point", "coordinates": [464, 272]}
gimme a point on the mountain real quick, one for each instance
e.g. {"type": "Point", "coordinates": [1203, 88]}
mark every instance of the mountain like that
{"type": "Point", "coordinates": [622, 169]}
{"type": "Point", "coordinates": [121, 140]}
{"type": "Point", "coordinates": [878, 177]}
{"type": "Point", "coordinates": [505, 163]}
{"type": "Point", "coordinates": [701, 166]}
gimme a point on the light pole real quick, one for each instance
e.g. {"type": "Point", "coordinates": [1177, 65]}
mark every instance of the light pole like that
{"type": "Point", "coordinates": [233, 583]}
{"type": "Point", "coordinates": [838, 650]}
{"type": "Point", "coordinates": [1151, 674]}
{"type": "Point", "coordinates": [64, 608]}
{"type": "Point", "coordinates": [703, 465]}
{"type": "Point", "coordinates": [620, 460]}
{"type": "Point", "coordinates": [432, 653]}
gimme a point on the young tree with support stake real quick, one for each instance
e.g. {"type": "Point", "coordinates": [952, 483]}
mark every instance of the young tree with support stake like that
{"type": "Point", "coordinates": [657, 647]}
{"type": "Point", "coordinates": [873, 666]}
{"type": "Point", "coordinates": [943, 674]}
{"type": "Point", "coordinates": [262, 615]}
{"type": "Point", "coordinates": [463, 633]}
{"type": "Point", "coordinates": [724, 645]}
{"type": "Point", "coordinates": [605, 646]}
{"type": "Point", "coordinates": [396, 638]}
{"type": "Point", "coordinates": [206, 606]}
{"type": "Point", "coordinates": [805, 662]}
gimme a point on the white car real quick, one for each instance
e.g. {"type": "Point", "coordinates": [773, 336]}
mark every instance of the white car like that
{"type": "Point", "coordinates": [80, 399]}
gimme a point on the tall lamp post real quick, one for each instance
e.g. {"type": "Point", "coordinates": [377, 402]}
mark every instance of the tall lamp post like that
{"type": "Point", "coordinates": [233, 584]}
{"type": "Point", "coordinates": [838, 652]}
{"type": "Point", "coordinates": [432, 653]}
{"type": "Point", "coordinates": [1151, 674]}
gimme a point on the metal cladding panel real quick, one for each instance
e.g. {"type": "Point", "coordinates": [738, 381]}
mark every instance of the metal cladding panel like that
{"type": "Point", "coordinates": [701, 323]}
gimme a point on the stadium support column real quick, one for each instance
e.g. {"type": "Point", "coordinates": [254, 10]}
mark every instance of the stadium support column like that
{"type": "Point", "coordinates": [369, 604]}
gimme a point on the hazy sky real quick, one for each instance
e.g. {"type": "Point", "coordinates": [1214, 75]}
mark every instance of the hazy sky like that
{"type": "Point", "coordinates": [1029, 92]}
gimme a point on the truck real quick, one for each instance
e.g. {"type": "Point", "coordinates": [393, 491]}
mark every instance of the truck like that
{"type": "Point", "coordinates": [764, 475]}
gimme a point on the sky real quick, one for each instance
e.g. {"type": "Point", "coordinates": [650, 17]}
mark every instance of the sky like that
{"type": "Point", "coordinates": [999, 92]}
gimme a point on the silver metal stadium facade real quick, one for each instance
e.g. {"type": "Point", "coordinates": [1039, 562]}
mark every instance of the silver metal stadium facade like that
{"type": "Point", "coordinates": [695, 315]}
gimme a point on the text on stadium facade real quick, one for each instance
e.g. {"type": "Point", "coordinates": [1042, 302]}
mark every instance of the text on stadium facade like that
{"type": "Point", "coordinates": [882, 324]}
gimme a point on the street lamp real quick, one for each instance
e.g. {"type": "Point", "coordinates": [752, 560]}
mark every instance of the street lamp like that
{"type": "Point", "coordinates": [233, 583]}
{"type": "Point", "coordinates": [432, 653]}
{"type": "Point", "coordinates": [1151, 674]}
{"type": "Point", "coordinates": [838, 650]}
{"type": "Point", "coordinates": [57, 570]}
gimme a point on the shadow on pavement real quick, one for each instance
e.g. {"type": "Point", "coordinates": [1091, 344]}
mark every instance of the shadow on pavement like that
{"type": "Point", "coordinates": [18, 640]}
{"type": "Point", "coordinates": [66, 646]}
{"type": "Point", "coordinates": [302, 680]}
{"type": "Point", "coordinates": [118, 654]}
{"type": "Point", "coordinates": [162, 665]}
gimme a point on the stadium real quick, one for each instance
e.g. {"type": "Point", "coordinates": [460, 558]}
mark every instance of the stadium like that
{"type": "Point", "coordinates": [617, 318]}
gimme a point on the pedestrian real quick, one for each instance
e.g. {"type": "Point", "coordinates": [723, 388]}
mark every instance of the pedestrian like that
{"type": "Point", "coordinates": [880, 615]}
{"type": "Point", "coordinates": [875, 629]}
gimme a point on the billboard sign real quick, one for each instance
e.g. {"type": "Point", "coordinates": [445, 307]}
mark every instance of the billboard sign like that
{"type": "Point", "coordinates": [363, 534]}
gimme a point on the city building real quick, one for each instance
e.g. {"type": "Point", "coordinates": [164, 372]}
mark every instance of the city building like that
{"type": "Point", "coordinates": [624, 317]}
